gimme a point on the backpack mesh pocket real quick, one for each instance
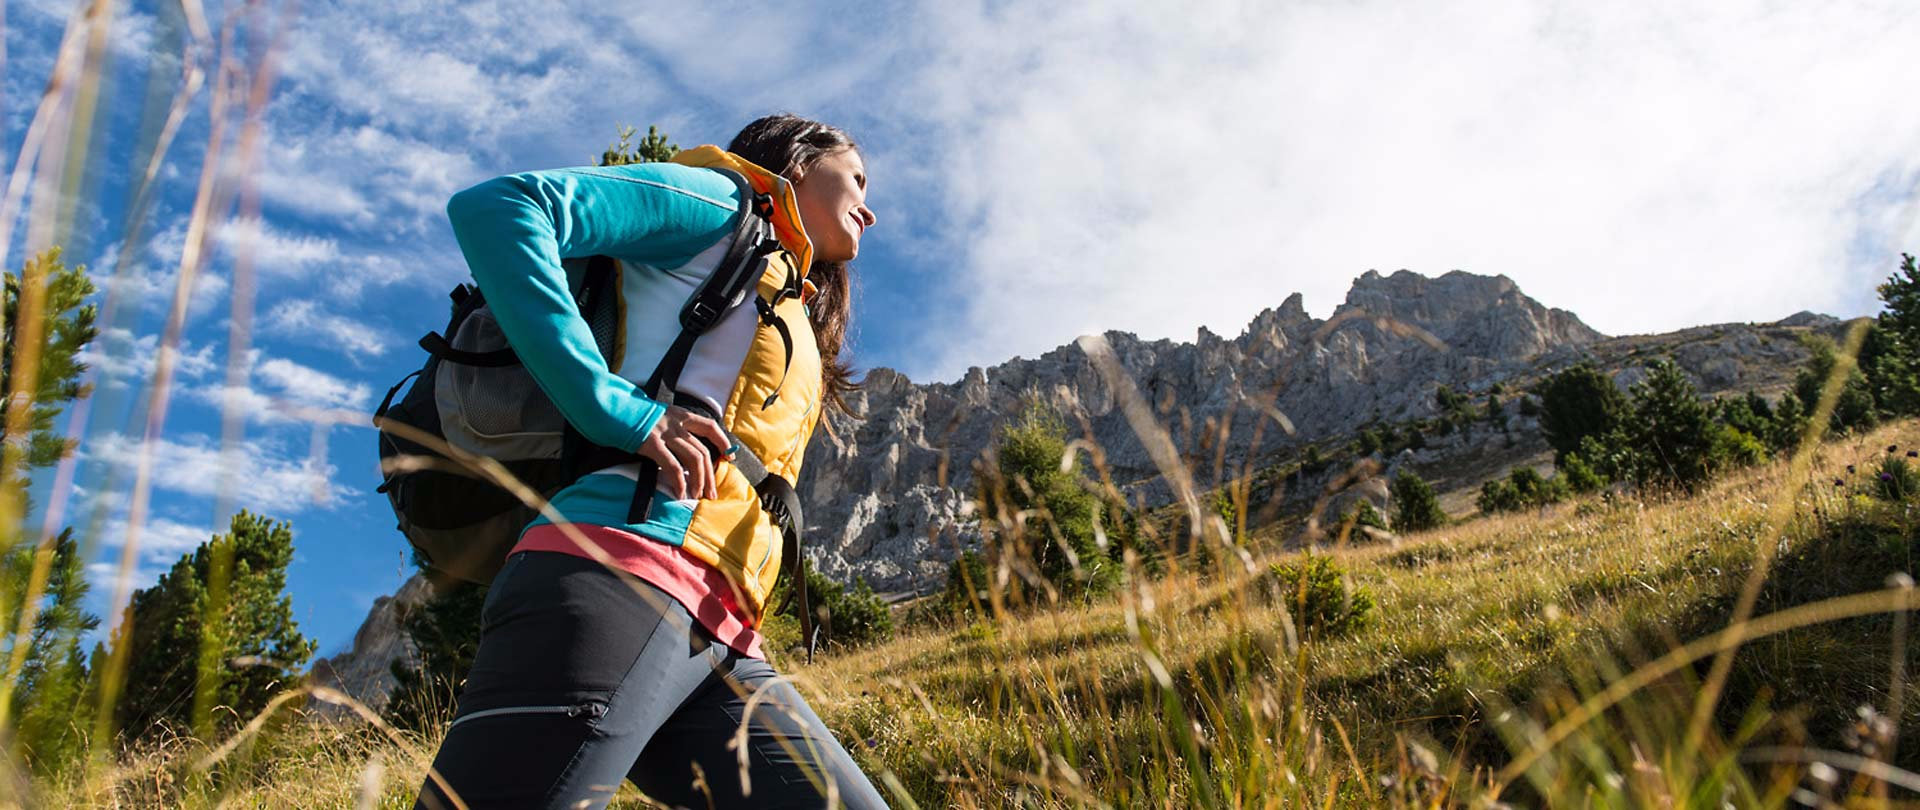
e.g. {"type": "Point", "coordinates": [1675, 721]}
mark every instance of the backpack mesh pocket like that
{"type": "Point", "coordinates": [494, 411]}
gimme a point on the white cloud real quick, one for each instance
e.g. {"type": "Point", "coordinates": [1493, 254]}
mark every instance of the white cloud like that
{"type": "Point", "coordinates": [275, 253]}
{"type": "Point", "coordinates": [262, 477]}
{"type": "Point", "coordinates": [1126, 166]}
{"type": "Point", "coordinates": [315, 192]}
{"type": "Point", "coordinates": [152, 275]}
{"type": "Point", "coordinates": [287, 393]}
{"type": "Point", "coordinates": [120, 359]}
{"type": "Point", "coordinates": [302, 319]}
{"type": "Point", "coordinates": [161, 542]}
{"type": "Point", "coordinates": [309, 386]}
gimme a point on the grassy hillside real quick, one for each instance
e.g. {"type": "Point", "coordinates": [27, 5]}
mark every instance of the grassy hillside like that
{"type": "Point", "coordinates": [1192, 683]}
{"type": "Point", "coordinates": [1196, 688]}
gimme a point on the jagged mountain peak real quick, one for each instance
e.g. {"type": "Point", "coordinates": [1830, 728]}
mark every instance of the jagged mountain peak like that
{"type": "Point", "coordinates": [1487, 316]}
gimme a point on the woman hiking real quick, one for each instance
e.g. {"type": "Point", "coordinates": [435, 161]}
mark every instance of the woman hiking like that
{"type": "Point", "coordinates": [624, 644]}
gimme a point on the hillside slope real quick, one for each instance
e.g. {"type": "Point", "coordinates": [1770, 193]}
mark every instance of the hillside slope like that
{"type": "Point", "coordinates": [1528, 610]}
{"type": "Point", "coordinates": [1196, 687]}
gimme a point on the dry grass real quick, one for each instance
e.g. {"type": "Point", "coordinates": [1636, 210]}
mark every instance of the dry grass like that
{"type": "Point", "coordinates": [1063, 705]}
{"type": "Point", "coordinates": [1187, 690]}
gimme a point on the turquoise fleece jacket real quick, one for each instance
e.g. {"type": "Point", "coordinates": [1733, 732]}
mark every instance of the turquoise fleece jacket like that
{"type": "Point", "coordinates": [516, 230]}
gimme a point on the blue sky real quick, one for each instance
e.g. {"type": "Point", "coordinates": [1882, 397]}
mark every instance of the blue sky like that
{"type": "Point", "coordinates": [1040, 171]}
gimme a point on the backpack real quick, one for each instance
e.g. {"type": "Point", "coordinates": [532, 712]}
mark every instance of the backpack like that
{"type": "Point", "coordinates": [473, 394]}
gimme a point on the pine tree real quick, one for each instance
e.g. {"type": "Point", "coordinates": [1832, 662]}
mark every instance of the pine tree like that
{"type": "Point", "coordinates": [652, 149]}
{"type": "Point", "coordinates": [51, 693]}
{"type": "Point", "coordinates": [1749, 414]}
{"type": "Point", "coordinates": [1891, 371]}
{"type": "Point", "coordinates": [1576, 403]}
{"type": "Point", "coordinates": [1415, 506]}
{"type": "Point", "coordinates": [46, 321]}
{"type": "Point", "coordinates": [1901, 296]}
{"type": "Point", "coordinates": [255, 649]}
{"type": "Point", "coordinates": [1855, 409]}
{"type": "Point", "coordinates": [60, 324]}
{"type": "Point", "coordinates": [1789, 424]}
{"type": "Point", "coordinates": [1042, 514]}
{"type": "Point", "coordinates": [1670, 429]}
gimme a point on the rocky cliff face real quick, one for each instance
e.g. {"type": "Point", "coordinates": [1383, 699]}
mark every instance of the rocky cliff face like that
{"type": "Point", "coordinates": [888, 496]}
{"type": "Point", "coordinates": [362, 672]}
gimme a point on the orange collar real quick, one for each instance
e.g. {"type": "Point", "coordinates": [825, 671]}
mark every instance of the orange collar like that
{"type": "Point", "coordinates": [786, 215]}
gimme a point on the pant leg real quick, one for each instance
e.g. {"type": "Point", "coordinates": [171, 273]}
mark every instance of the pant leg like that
{"type": "Point", "coordinates": [574, 674]}
{"type": "Point", "coordinates": [791, 756]}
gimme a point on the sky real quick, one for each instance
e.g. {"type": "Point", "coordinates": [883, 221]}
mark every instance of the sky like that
{"type": "Point", "coordinates": [1039, 171]}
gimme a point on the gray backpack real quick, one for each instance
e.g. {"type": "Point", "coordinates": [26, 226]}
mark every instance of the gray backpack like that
{"type": "Point", "coordinates": [474, 393]}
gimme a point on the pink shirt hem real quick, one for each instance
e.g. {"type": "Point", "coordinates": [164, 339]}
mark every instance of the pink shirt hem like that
{"type": "Point", "coordinates": [700, 588]}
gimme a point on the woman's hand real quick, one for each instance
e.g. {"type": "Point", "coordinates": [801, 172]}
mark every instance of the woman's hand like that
{"type": "Point", "coordinates": [679, 444]}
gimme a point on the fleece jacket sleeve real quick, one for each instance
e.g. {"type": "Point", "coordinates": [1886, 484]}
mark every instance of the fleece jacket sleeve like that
{"type": "Point", "coordinates": [515, 230]}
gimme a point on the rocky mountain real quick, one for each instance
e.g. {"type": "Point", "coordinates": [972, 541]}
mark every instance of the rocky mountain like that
{"type": "Point", "coordinates": [362, 671]}
{"type": "Point", "coordinates": [887, 495]}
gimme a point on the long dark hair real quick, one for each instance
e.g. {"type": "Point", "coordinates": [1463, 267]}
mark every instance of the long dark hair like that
{"type": "Point", "coordinates": [789, 146]}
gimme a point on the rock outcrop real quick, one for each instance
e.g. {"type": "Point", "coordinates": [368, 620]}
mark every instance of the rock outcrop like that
{"type": "Point", "coordinates": [362, 671]}
{"type": "Point", "coordinates": [887, 496]}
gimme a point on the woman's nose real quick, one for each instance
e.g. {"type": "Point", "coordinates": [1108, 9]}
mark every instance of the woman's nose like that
{"type": "Point", "coordinates": [866, 215]}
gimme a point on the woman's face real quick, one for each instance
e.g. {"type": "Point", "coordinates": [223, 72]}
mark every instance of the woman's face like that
{"type": "Point", "coordinates": [832, 198]}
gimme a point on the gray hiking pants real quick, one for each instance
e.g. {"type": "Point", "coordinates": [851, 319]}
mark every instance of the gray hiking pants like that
{"type": "Point", "coordinates": [582, 681]}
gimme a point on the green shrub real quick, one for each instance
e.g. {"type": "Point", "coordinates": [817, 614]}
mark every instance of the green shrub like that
{"type": "Point", "coordinates": [1364, 514]}
{"type": "Point", "coordinates": [1579, 475]}
{"type": "Point", "coordinates": [847, 616]}
{"type": "Point", "coordinates": [1897, 481]}
{"type": "Point", "coordinates": [965, 596]}
{"type": "Point", "coordinates": [1734, 448]}
{"type": "Point", "coordinates": [1415, 506]}
{"type": "Point", "coordinates": [1049, 512]}
{"type": "Point", "coordinates": [1524, 487]}
{"type": "Point", "coordinates": [1323, 602]}
{"type": "Point", "coordinates": [1370, 442]}
{"type": "Point", "coordinates": [1498, 495]}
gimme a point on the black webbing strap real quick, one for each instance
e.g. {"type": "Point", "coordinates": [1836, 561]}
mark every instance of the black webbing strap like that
{"type": "Point", "coordinates": [753, 241]}
{"type": "Point", "coordinates": [439, 347]}
{"type": "Point", "coordinates": [782, 502]}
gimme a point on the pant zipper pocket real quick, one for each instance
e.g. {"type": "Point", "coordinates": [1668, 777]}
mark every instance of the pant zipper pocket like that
{"type": "Point", "coordinates": [589, 710]}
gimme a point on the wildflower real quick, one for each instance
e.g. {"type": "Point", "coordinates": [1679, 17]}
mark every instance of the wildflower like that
{"type": "Point", "coordinates": [1886, 476]}
{"type": "Point", "coordinates": [1849, 469]}
{"type": "Point", "coordinates": [1839, 483]}
{"type": "Point", "coordinates": [1892, 447]}
{"type": "Point", "coordinates": [1913, 454]}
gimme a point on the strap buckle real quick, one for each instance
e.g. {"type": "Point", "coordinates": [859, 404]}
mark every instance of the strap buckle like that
{"type": "Point", "coordinates": [699, 316]}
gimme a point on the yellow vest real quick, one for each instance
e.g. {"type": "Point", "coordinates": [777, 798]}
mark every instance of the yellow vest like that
{"type": "Point", "coordinates": [732, 532]}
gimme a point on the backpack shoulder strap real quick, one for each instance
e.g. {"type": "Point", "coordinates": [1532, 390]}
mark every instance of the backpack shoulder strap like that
{"type": "Point", "coordinates": [753, 241]}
